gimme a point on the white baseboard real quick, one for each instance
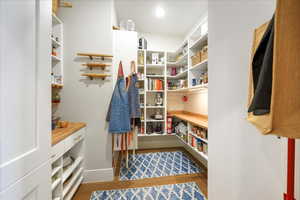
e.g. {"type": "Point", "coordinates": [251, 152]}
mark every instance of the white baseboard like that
{"type": "Point", "coordinates": [98, 175]}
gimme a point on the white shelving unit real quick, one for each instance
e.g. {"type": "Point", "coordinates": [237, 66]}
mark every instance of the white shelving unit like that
{"type": "Point", "coordinates": [66, 180]}
{"type": "Point", "coordinates": [57, 45]}
{"type": "Point", "coordinates": [152, 71]}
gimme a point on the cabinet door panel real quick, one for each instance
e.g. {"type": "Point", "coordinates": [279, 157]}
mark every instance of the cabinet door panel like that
{"type": "Point", "coordinates": [25, 69]}
{"type": "Point", "coordinates": [33, 186]}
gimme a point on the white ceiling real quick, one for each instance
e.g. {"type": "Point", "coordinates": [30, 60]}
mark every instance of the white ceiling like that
{"type": "Point", "coordinates": [180, 15]}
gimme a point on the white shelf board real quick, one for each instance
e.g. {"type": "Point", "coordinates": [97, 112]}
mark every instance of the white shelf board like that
{"type": "Point", "coordinates": [200, 42]}
{"type": "Point", "coordinates": [55, 183]}
{"type": "Point", "coordinates": [196, 150]}
{"type": "Point", "coordinates": [55, 20]}
{"type": "Point", "coordinates": [179, 90]}
{"type": "Point", "coordinates": [179, 75]}
{"type": "Point", "coordinates": [155, 106]}
{"type": "Point", "coordinates": [155, 66]}
{"type": "Point", "coordinates": [55, 43]}
{"type": "Point", "coordinates": [155, 91]}
{"type": "Point", "coordinates": [203, 140]}
{"type": "Point", "coordinates": [181, 62]}
{"type": "Point", "coordinates": [154, 134]}
{"type": "Point", "coordinates": [155, 76]}
{"type": "Point", "coordinates": [72, 181]}
{"type": "Point", "coordinates": [198, 87]}
{"type": "Point", "coordinates": [74, 189]}
{"type": "Point", "coordinates": [155, 120]}
{"type": "Point", "coordinates": [55, 170]}
{"type": "Point", "coordinates": [200, 66]}
{"type": "Point", "coordinates": [71, 168]}
{"type": "Point", "coordinates": [55, 58]}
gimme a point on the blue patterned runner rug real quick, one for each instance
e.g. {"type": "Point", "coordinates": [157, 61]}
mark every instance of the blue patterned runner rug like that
{"type": "Point", "coordinates": [151, 165]}
{"type": "Point", "coordinates": [183, 191]}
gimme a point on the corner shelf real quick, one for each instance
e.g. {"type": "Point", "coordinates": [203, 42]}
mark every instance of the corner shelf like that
{"type": "Point", "coordinates": [94, 65]}
{"type": "Point", "coordinates": [92, 75]}
{"type": "Point", "coordinates": [93, 55]}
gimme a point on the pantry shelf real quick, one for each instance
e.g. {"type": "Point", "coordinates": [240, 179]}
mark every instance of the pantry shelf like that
{"type": "Point", "coordinates": [200, 42]}
{"type": "Point", "coordinates": [55, 43]}
{"type": "Point", "coordinates": [71, 168]}
{"type": "Point", "coordinates": [92, 76]}
{"type": "Point", "coordinates": [95, 65]}
{"type": "Point", "coordinates": [69, 185]}
{"type": "Point", "coordinates": [55, 58]}
{"type": "Point", "coordinates": [93, 55]}
{"type": "Point", "coordinates": [200, 138]}
{"type": "Point", "coordinates": [179, 75]}
{"type": "Point", "coordinates": [194, 149]}
{"type": "Point", "coordinates": [201, 66]}
{"type": "Point", "coordinates": [180, 62]}
{"type": "Point", "coordinates": [55, 184]}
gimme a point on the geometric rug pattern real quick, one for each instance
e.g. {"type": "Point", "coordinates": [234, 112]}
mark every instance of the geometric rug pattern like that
{"type": "Point", "coordinates": [158, 164]}
{"type": "Point", "coordinates": [183, 191]}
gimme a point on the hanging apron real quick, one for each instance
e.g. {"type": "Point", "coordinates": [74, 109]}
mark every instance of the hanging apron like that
{"type": "Point", "coordinates": [118, 112]}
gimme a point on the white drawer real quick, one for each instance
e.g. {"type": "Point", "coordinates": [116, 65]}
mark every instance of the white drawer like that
{"type": "Point", "coordinates": [57, 150]}
{"type": "Point", "coordinates": [74, 138]}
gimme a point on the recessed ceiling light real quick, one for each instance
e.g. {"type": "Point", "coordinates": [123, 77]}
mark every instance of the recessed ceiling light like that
{"type": "Point", "coordinates": [160, 12]}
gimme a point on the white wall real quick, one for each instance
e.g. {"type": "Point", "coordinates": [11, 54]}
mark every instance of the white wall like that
{"type": "Point", "coordinates": [160, 42]}
{"type": "Point", "coordinates": [243, 164]}
{"type": "Point", "coordinates": [87, 28]}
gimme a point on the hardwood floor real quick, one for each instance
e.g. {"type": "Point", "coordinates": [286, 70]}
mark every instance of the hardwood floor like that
{"type": "Point", "coordinates": [85, 190]}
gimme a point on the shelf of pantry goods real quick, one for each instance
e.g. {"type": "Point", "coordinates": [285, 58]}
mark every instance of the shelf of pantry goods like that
{"type": "Point", "coordinates": [193, 118]}
{"type": "Point", "coordinates": [59, 134]}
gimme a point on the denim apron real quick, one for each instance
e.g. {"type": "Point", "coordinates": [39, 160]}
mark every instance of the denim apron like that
{"type": "Point", "coordinates": [133, 98]}
{"type": "Point", "coordinates": [118, 113]}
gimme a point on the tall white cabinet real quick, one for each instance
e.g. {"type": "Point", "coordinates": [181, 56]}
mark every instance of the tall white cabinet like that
{"type": "Point", "coordinates": [25, 110]}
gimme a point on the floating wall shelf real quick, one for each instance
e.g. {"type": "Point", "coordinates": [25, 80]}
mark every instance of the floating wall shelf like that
{"type": "Point", "coordinates": [93, 55]}
{"type": "Point", "coordinates": [93, 65]}
{"type": "Point", "coordinates": [58, 86]}
{"type": "Point", "coordinates": [92, 76]}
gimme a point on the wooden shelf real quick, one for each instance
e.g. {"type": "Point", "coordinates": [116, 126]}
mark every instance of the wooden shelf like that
{"type": "Point", "coordinates": [93, 55]}
{"type": "Point", "coordinates": [92, 76]}
{"type": "Point", "coordinates": [193, 118]}
{"type": "Point", "coordinates": [93, 65]}
{"type": "Point", "coordinates": [58, 86]}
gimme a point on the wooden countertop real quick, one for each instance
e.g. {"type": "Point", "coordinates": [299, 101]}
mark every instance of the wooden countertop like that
{"type": "Point", "coordinates": [193, 118]}
{"type": "Point", "coordinates": [61, 133]}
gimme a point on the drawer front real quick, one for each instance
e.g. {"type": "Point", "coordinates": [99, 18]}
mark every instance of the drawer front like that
{"type": "Point", "coordinates": [74, 139]}
{"type": "Point", "coordinates": [57, 150]}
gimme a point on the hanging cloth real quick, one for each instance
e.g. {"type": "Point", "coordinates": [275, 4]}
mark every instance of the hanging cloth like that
{"type": "Point", "coordinates": [118, 112]}
{"type": "Point", "coordinates": [133, 94]}
{"type": "Point", "coordinates": [277, 111]}
{"type": "Point", "coordinates": [262, 73]}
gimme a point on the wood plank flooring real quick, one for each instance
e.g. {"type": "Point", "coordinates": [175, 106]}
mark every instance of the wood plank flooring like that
{"type": "Point", "coordinates": [85, 190]}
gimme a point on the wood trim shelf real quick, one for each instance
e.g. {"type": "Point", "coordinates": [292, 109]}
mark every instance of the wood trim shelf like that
{"type": "Point", "coordinates": [193, 118]}
{"type": "Point", "coordinates": [92, 55]}
{"type": "Point", "coordinates": [91, 75]}
{"type": "Point", "coordinates": [58, 86]}
{"type": "Point", "coordinates": [60, 134]}
{"type": "Point", "coordinates": [93, 65]}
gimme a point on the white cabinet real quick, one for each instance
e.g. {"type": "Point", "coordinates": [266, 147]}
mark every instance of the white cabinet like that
{"type": "Point", "coordinates": [66, 179]}
{"type": "Point", "coordinates": [34, 186]}
{"type": "Point", "coordinates": [25, 109]}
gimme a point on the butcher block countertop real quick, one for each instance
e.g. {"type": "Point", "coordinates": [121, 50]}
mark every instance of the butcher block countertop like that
{"type": "Point", "coordinates": [193, 118]}
{"type": "Point", "coordinates": [59, 134]}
